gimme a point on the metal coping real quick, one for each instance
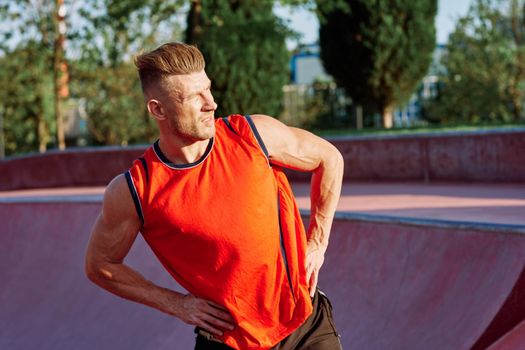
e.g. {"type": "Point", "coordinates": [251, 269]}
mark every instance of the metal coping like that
{"type": "Point", "coordinates": [339, 215]}
{"type": "Point", "coordinates": [411, 221]}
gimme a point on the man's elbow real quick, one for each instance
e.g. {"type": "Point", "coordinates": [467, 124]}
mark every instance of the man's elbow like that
{"type": "Point", "coordinates": [335, 159]}
{"type": "Point", "coordinates": [340, 159]}
{"type": "Point", "coordinates": [93, 270]}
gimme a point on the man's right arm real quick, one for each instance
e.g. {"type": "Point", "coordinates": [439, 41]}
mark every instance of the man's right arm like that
{"type": "Point", "coordinates": [113, 235]}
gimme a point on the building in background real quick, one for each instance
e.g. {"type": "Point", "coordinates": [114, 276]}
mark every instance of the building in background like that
{"type": "Point", "coordinates": [308, 76]}
{"type": "Point", "coordinates": [312, 94]}
{"type": "Point", "coordinates": [306, 66]}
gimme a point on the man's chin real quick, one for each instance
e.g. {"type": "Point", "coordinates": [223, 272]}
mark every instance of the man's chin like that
{"type": "Point", "coordinates": [207, 134]}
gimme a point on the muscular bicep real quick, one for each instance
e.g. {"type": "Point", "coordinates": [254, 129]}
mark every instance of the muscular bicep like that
{"type": "Point", "coordinates": [291, 147]}
{"type": "Point", "coordinates": [116, 227]}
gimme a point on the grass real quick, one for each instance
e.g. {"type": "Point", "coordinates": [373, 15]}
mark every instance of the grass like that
{"type": "Point", "coordinates": [413, 130]}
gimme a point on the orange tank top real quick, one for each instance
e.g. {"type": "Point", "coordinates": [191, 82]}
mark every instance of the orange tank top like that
{"type": "Point", "coordinates": [227, 228]}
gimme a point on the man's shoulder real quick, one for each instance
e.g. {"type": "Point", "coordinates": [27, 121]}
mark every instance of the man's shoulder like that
{"type": "Point", "coordinates": [117, 187]}
{"type": "Point", "coordinates": [118, 201]}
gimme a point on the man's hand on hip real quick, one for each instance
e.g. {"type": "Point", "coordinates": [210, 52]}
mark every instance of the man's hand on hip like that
{"type": "Point", "coordinates": [205, 314]}
{"type": "Point", "coordinates": [314, 261]}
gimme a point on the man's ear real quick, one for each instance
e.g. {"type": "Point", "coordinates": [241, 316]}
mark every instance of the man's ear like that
{"type": "Point", "coordinates": [156, 109]}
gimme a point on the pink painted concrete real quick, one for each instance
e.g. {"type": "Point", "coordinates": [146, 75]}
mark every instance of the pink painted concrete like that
{"type": "Point", "coordinates": [506, 324]}
{"type": "Point", "coordinates": [48, 304]}
{"type": "Point", "coordinates": [77, 167]}
{"type": "Point", "coordinates": [514, 340]}
{"type": "Point", "coordinates": [453, 156]}
{"type": "Point", "coordinates": [481, 203]}
{"type": "Point", "coordinates": [478, 203]}
{"type": "Point", "coordinates": [497, 156]}
{"type": "Point", "coordinates": [405, 287]}
{"type": "Point", "coordinates": [394, 285]}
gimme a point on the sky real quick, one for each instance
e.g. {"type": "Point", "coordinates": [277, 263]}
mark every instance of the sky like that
{"type": "Point", "coordinates": [306, 23]}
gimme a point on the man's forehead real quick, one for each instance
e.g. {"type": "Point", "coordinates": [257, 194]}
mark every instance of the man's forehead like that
{"type": "Point", "coordinates": [188, 83]}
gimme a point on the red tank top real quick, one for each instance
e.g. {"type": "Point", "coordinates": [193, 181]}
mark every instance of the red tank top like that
{"type": "Point", "coordinates": [227, 228]}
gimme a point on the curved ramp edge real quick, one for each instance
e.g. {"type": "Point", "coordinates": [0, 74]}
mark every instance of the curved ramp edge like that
{"type": "Point", "coordinates": [513, 340]}
{"type": "Point", "coordinates": [393, 285]}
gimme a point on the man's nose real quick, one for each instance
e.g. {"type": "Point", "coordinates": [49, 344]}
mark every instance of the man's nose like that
{"type": "Point", "coordinates": [210, 104]}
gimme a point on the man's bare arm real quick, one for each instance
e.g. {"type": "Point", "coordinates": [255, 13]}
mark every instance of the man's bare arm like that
{"type": "Point", "coordinates": [301, 150]}
{"type": "Point", "coordinates": [114, 232]}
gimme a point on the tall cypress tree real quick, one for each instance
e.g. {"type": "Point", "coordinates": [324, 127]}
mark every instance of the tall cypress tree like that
{"type": "Point", "coordinates": [378, 50]}
{"type": "Point", "coordinates": [243, 43]}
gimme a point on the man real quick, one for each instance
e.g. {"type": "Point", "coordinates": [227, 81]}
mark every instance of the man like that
{"type": "Point", "coordinates": [212, 202]}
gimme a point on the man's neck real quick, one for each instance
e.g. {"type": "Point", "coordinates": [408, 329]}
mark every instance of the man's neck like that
{"type": "Point", "coordinates": [180, 151]}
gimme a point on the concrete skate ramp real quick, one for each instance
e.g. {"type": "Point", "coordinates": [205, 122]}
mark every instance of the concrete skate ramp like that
{"type": "Point", "coordinates": [419, 284]}
{"type": "Point", "coordinates": [395, 284]}
{"type": "Point", "coordinates": [513, 340]}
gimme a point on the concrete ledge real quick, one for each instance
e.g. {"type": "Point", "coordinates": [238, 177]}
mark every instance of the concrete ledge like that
{"type": "Point", "coordinates": [93, 166]}
{"type": "Point", "coordinates": [485, 156]}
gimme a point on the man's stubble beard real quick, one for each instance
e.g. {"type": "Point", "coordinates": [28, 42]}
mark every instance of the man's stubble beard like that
{"type": "Point", "coordinates": [190, 132]}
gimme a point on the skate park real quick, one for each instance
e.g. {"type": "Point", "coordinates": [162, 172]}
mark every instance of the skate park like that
{"type": "Point", "coordinates": [427, 249]}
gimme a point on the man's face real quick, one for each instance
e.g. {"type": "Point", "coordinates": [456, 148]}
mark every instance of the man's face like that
{"type": "Point", "coordinates": [189, 106]}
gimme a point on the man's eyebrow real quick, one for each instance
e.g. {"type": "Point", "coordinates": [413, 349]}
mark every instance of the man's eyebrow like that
{"type": "Point", "coordinates": [196, 92]}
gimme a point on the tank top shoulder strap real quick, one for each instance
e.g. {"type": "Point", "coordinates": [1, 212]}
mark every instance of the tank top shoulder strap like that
{"type": "Point", "coordinates": [138, 178]}
{"type": "Point", "coordinates": [244, 128]}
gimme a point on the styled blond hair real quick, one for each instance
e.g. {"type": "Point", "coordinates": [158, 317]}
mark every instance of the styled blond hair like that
{"type": "Point", "coordinates": [169, 59]}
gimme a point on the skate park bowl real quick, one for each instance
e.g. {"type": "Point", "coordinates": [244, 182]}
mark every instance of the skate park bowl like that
{"type": "Point", "coordinates": [411, 265]}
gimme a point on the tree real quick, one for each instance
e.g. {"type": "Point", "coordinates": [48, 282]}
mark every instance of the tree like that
{"type": "Point", "coordinates": [26, 99]}
{"type": "Point", "coordinates": [243, 43]}
{"type": "Point", "coordinates": [104, 74]}
{"type": "Point", "coordinates": [484, 76]}
{"type": "Point", "coordinates": [34, 26]}
{"type": "Point", "coordinates": [379, 50]}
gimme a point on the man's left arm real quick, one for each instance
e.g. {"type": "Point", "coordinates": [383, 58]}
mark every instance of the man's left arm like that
{"type": "Point", "coordinates": [301, 150]}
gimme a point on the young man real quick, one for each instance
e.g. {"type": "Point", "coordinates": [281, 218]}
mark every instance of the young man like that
{"type": "Point", "coordinates": [211, 201]}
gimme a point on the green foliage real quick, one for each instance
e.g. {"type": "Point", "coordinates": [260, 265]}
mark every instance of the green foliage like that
{"type": "Point", "coordinates": [105, 75]}
{"type": "Point", "coordinates": [26, 98]}
{"type": "Point", "coordinates": [328, 106]}
{"type": "Point", "coordinates": [243, 43]}
{"type": "Point", "coordinates": [27, 20]}
{"type": "Point", "coordinates": [114, 30]}
{"type": "Point", "coordinates": [102, 37]}
{"type": "Point", "coordinates": [379, 50]}
{"type": "Point", "coordinates": [26, 56]}
{"type": "Point", "coordinates": [114, 104]}
{"type": "Point", "coordinates": [484, 79]}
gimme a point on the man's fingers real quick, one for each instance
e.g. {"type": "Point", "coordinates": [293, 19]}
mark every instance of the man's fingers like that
{"type": "Point", "coordinates": [209, 328]}
{"type": "Point", "coordinates": [217, 322]}
{"type": "Point", "coordinates": [217, 306]}
{"type": "Point", "coordinates": [313, 283]}
{"type": "Point", "coordinates": [310, 280]}
{"type": "Point", "coordinates": [217, 315]}
{"type": "Point", "coordinates": [308, 271]}
{"type": "Point", "coordinates": [224, 319]}
{"type": "Point", "coordinates": [220, 312]}
{"type": "Point", "coordinates": [208, 315]}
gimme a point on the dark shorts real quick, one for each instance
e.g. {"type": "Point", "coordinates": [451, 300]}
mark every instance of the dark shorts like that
{"type": "Point", "coordinates": [318, 332]}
